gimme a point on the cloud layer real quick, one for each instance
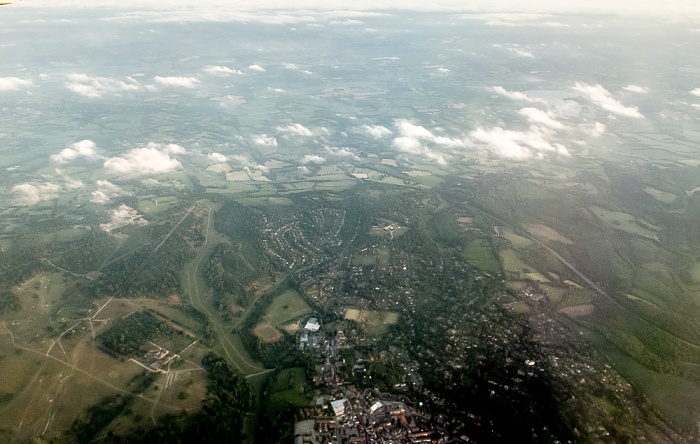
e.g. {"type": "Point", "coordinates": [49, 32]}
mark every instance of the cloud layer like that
{"type": "Point", "coordinates": [601, 96]}
{"type": "Point", "coordinates": [32, 193]}
{"type": "Point", "coordinates": [13, 83]}
{"type": "Point", "coordinates": [177, 81]}
{"type": "Point", "coordinates": [152, 159]}
{"type": "Point", "coordinates": [93, 87]}
{"type": "Point", "coordinates": [84, 148]}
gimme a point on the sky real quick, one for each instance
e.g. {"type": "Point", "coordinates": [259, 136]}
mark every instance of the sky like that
{"type": "Point", "coordinates": [208, 9]}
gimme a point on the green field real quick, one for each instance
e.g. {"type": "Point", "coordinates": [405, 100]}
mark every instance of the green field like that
{"type": "Point", "coordinates": [625, 222]}
{"type": "Point", "coordinates": [286, 307]}
{"type": "Point", "coordinates": [289, 388]}
{"type": "Point", "coordinates": [479, 253]}
{"type": "Point", "coordinates": [375, 322]}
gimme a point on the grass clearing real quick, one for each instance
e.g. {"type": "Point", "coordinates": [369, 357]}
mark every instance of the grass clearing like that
{"type": "Point", "coordinates": [515, 239]}
{"type": "Point", "coordinates": [478, 252]}
{"type": "Point", "coordinates": [154, 205]}
{"type": "Point", "coordinates": [625, 222]}
{"type": "Point", "coordinates": [286, 307]}
{"type": "Point", "coordinates": [289, 388]}
{"type": "Point", "coordinates": [661, 196]}
{"type": "Point", "coordinates": [375, 322]}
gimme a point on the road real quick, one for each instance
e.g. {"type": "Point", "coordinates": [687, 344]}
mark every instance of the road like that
{"type": "Point", "coordinates": [235, 356]}
{"type": "Point", "coordinates": [590, 282]}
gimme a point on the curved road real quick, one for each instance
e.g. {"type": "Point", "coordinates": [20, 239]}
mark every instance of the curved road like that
{"type": "Point", "coordinates": [235, 357]}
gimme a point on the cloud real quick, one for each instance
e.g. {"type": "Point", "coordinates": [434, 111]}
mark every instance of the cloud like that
{"type": "Point", "coordinates": [597, 129]}
{"type": "Point", "coordinates": [216, 157]}
{"type": "Point", "coordinates": [517, 19]}
{"type": "Point", "coordinates": [177, 81]}
{"type": "Point", "coordinates": [152, 159]}
{"type": "Point", "coordinates": [257, 68]}
{"type": "Point", "coordinates": [30, 194]}
{"type": "Point", "coordinates": [13, 83]}
{"type": "Point", "coordinates": [105, 192]}
{"type": "Point", "coordinates": [221, 70]}
{"type": "Point", "coordinates": [515, 95]}
{"type": "Point", "coordinates": [409, 130]}
{"type": "Point", "coordinates": [246, 163]}
{"type": "Point", "coordinates": [521, 52]}
{"type": "Point", "coordinates": [695, 92]}
{"type": "Point", "coordinates": [419, 141]}
{"type": "Point", "coordinates": [537, 116]}
{"type": "Point", "coordinates": [414, 146]}
{"type": "Point", "coordinates": [601, 96]}
{"type": "Point", "coordinates": [311, 11]}
{"type": "Point", "coordinates": [84, 148]}
{"type": "Point", "coordinates": [344, 152]}
{"type": "Point", "coordinates": [311, 158]}
{"type": "Point", "coordinates": [297, 129]}
{"type": "Point", "coordinates": [73, 184]}
{"type": "Point", "coordinates": [636, 89]}
{"type": "Point", "coordinates": [264, 140]}
{"type": "Point", "coordinates": [93, 87]}
{"type": "Point", "coordinates": [121, 217]}
{"type": "Point", "coordinates": [516, 145]}
{"type": "Point", "coordinates": [376, 131]}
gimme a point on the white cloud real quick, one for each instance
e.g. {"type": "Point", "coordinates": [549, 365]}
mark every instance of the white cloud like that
{"type": "Point", "coordinates": [105, 192]}
{"type": "Point", "coordinates": [311, 11]}
{"type": "Point", "coordinates": [414, 146]}
{"type": "Point", "coordinates": [516, 145]}
{"type": "Point", "coordinates": [408, 129]}
{"type": "Point", "coordinates": [312, 158]}
{"type": "Point", "coordinates": [537, 116]}
{"type": "Point", "coordinates": [376, 131]}
{"type": "Point", "coordinates": [597, 129]}
{"type": "Point", "coordinates": [416, 140]}
{"type": "Point", "coordinates": [121, 217]}
{"type": "Point", "coordinates": [695, 105]}
{"type": "Point", "coordinates": [177, 81]}
{"type": "Point", "coordinates": [264, 140]}
{"type": "Point", "coordinates": [601, 96]}
{"type": "Point", "coordinates": [515, 95]}
{"type": "Point", "coordinates": [342, 152]}
{"type": "Point", "coordinates": [521, 52]}
{"type": "Point", "coordinates": [92, 87]}
{"type": "Point", "coordinates": [68, 182]}
{"type": "Point", "coordinates": [30, 194]}
{"type": "Point", "coordinates": [636, 89]}
{"type": "Point", "coordinates": [73, 184]}
{"type": "Point", "coordinates": [257, 68]}
{"type": "Point", "coordinates": [13, 83]}
{"type": "Point", "coordinates": [695, 92]}
{"type": "Point", "coordinates": [516, 19]}
{"type": "Point", "coordinates": [153, 159]}
{"type": "Point", "coordinates": [216, 157]}
{"type": "Point", "coordinates": [84, 148]}
{"type": "Point", "coordinates": [246, 163]}
{"type": "Point", "coordinates": [221, 70]}
{"type": "Point", "coordinates": [297, 129]}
